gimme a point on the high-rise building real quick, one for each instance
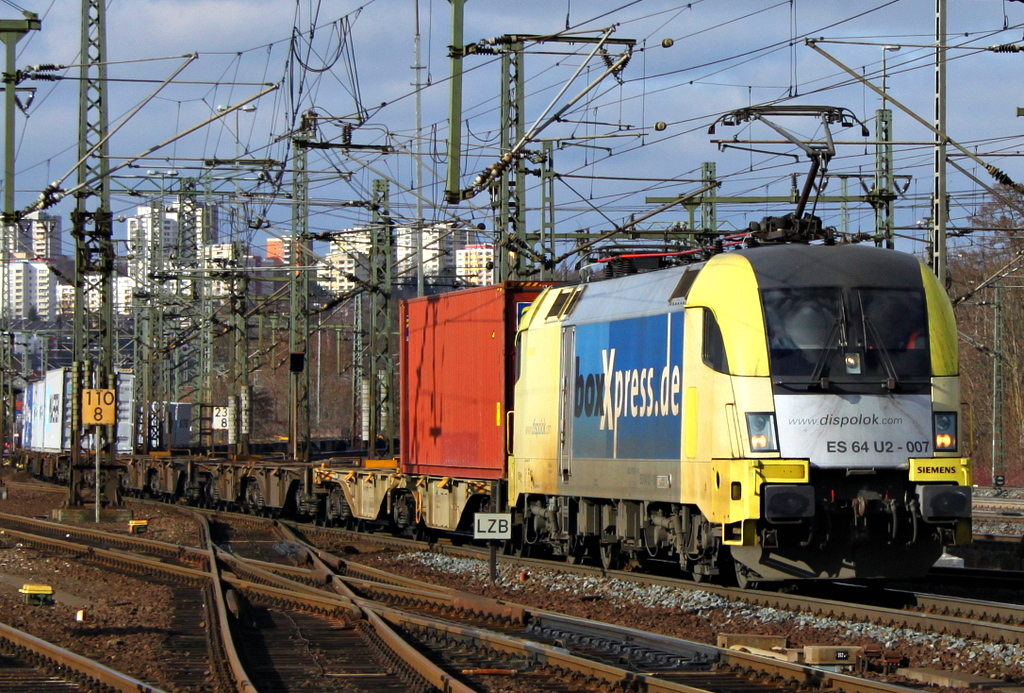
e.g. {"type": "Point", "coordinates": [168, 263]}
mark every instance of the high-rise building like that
{"type": "Point", "coordinates": [65, 299]}
{"type": "Point", "coordinates": [31, 291]}
{"type": "Point", "coordinates": [224, 256]}
{"type": "Point", "coordinates": [160, 229]}
{"type": "Point", "coordinates": [124, 288]}
{"type": "Point", "coordinates": [39, 236]}
{"type": "Point", "coordinates": [347, 256]}
{"type": "Point", "coordinates": [474, 264]}
{"type": "Point", "coordinates": [279, 251]}
{"type": "Point", "coordinates": [440, 243]}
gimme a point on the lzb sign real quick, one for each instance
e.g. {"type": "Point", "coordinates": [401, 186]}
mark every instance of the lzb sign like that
{"type": "Point", "coordinates": [492, 526]}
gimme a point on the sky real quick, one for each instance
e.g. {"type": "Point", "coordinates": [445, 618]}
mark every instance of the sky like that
{"type": "Point", "coordinates": [639, 134]}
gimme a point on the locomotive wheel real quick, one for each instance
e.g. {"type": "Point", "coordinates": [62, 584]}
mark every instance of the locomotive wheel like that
{"type": "Point", "coordinates": [743, 579]}
{"type": "Point", "coordinates": [523, 550]}
{"type": "Point", "coordinates": [698, 575]}
{"type": "Point", "coordinates": [527, 541]}
{"type": "Point", "coordinates": [611, 558]}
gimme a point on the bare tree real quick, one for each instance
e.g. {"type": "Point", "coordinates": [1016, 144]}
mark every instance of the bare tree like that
{"type": "Point", "coordinates": [987, 266]}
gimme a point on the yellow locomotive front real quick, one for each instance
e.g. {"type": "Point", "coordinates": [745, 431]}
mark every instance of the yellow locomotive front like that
{"type": "Point", "coordinates": [847, 397]}
{"type": "Point", "coordinates": [783, 412]}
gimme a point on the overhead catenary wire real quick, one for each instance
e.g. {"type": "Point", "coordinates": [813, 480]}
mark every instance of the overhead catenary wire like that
{"type": "Point", "coordinates": [324, 28]}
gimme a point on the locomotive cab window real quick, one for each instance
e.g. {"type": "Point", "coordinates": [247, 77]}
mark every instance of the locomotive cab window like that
{"type": "Point", "coordinates": [714, 346]}
{"type": "Point", "coordinates": [565, 302]}
{"type": "Point", "coordinates": [856, 336]}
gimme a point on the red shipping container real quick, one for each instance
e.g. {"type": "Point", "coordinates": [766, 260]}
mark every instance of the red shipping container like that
{"type": "Point", "coordinates": [457, 379]}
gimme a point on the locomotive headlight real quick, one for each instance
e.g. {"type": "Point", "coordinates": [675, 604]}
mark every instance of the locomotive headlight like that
{"type": "Point", "coordinates": [761, 432]}
{"type": "Point", "coordinates": [944, 425]}
{"type": "Point", "coordinates": [852, 361]}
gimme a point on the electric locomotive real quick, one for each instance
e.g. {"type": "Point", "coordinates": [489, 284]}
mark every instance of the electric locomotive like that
{"type": "Point", "coordinates": [775, 413]}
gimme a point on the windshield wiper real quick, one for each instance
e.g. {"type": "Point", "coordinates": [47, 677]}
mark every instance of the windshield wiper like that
{"type": "Point", "coordinates": [869, 329]}
{"type": "Point", "coordinates": [819, 367]}
{"type": "Point", "coordinates": [890, 370]}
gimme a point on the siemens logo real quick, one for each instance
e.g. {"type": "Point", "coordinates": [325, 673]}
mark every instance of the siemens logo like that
{"type": "Point", "coordinates": [936, 470]}
{"type": "Point", "coordinates": [632, 392]}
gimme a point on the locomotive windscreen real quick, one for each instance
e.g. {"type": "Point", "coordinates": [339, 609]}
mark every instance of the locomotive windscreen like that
{"type": "Point", "coordinates": [847, 337]}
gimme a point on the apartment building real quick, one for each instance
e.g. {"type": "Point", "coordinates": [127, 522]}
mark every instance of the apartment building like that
{"type": "Point", "coordinates": [474, 264]}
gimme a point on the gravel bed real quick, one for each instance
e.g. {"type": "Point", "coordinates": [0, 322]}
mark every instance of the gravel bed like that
{"type": "Point", "coordinates": [989, 492]}
{"type": "Point", "coordinates": [697, 615]}
{"type": "Point", "coordinates": [1001, 528]}
{"type": "Point", "coordinates": [165, 523]}
{"type": "Point", "coordinates": [125, 619]}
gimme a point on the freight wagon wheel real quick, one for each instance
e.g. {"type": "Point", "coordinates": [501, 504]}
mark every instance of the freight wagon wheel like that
{"type": "Point", "coordinates": [576, 550]}
{"type": "Point", "coordinates": [254, 502]}
{"type": "Point", "coordinates": [336, 509]}
{"type": "Point", "coordinates": [210, 495]}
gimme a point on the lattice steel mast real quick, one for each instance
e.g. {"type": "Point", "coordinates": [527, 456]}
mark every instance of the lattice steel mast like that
{"type": "Point", "coordinates": [11, 31]}
{"type": "Point", "coordinates": [94, 254]}
{"type": "Point", "coordinates": [299, 324]}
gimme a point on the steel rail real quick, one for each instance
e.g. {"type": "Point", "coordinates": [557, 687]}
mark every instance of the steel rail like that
{"type": "Point", "coordinates": [65, 661]}
{"type": "Point", "coordinates": [114, 557]}
{"type": "Point", "coordinates": [325, 573]}
{"type": "Point", "coordinates": [948, 615]}
{"type": "Point", "coordinates": [805, 676]}
{"type": "Point", "coordinates": [801, 676]}
{"type": "Point", "coordinates": [951, 619]}
{"type": "Point", "coordinates": [129, 542]}
{"type": "Point", "coordinates": [935, 613]}
{"type": "Point", "coordinates": [957, 620]}
{"type": "Point", "coordinates": [556, 658]}
{"type": "Point", "coordinates": [222, 641]}
{"type": "Point", "coordinates": [289, 592]}
{"type": "Point", "coordinates": [224, 638]}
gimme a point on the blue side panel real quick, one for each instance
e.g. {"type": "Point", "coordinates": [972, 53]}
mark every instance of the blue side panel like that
{"type": "Point", "coordinates": [627, 389]}
{"type": "Point", "coordinates": [27, 402]}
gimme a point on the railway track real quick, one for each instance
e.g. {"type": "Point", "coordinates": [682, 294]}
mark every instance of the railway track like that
{"type": "Point", "coordinates": [295, 633]}
{"type": "Point", "coordinates": [950, 615]}
{"type": "Point", "coordinates": [335, 649]}
{"type": "Point", "coordinates": [601, 655]}
{"type": "Point", "coordinates": [106, 542]}
{"type": "Point", "coordinates": [31, 665]}
{"type": "Point", "coordinates": [298, 607]}
{"type": "Point", "coordinates": [485, 643]}
{"type": "Point", "coordinates": [249, 537]}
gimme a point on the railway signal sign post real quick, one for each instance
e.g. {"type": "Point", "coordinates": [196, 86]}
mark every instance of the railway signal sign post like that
{"type": "Point", "coordinates": [99, 408]}
{"type": "Point", "coordinates": [495, 528]}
